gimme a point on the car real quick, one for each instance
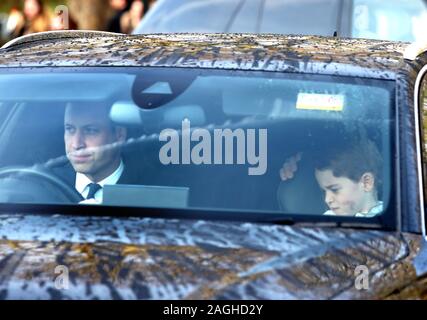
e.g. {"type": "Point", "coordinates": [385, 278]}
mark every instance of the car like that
{"type": "Point", "coordinates": [397, 20]}
{"type": "Point", "coordinates": [211, 119]}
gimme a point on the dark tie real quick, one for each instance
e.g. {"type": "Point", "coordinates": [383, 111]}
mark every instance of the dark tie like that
{"type": "Point", "coordinates": [93, 188]}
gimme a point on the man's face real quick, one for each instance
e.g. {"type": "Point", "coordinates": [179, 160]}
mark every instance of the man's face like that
{"type": "Point", "coordinates": [118, 4]}
{"type": "Point", "coordinates": [342, 195]}
{"type": "Point", "coordinates": [86, 131]}
{"type": "Point", "coordinates": [31, 9]}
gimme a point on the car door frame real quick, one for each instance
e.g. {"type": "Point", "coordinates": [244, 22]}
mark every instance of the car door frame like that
{"type": "Point", "coordinates": [420, 146]}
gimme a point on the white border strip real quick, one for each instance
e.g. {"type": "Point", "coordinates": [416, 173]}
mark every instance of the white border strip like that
{"type": "Point", "coordinates": [420, 77]}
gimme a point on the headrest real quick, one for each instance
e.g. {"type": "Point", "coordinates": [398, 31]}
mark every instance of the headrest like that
{"type": "Point", "coordinates": [301, 194]}
{"type": "Point", "coordinates": [154, 121]}
{"type": "Point", "coordinates": [173, 117]}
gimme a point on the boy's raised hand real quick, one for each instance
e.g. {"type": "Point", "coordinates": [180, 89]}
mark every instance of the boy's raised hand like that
{"type": "Point", "coordinates": [290, 167]}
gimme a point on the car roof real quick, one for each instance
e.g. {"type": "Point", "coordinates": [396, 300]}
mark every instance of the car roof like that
{"type": "Point", "coordinates": [291, 53]}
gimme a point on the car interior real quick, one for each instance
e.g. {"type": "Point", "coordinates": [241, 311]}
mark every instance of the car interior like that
{"type": "Point", "coordinates": [33, 134]}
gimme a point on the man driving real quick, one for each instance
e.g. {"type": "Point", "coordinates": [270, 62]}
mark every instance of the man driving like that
{"type": "Point", "coordinates": [92, 144]}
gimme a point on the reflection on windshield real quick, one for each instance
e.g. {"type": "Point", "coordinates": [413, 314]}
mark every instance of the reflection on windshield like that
{"type": "Point", "coordinates": [294, 144]}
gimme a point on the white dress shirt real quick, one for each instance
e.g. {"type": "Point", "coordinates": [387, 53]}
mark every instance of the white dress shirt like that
{"type": "Point", "coordinates": [82, 183]}
{"type": "Point", "coordinates": [377, 209]}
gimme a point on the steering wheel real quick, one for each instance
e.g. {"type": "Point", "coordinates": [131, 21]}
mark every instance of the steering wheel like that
{"type": "Point", "coordinates": [39, 175]}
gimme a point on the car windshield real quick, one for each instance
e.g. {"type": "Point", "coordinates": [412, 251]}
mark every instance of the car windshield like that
{"type": "Point", "coordinates": [180, 138]}
{"type": "Point", "coordinates": [397, 20]}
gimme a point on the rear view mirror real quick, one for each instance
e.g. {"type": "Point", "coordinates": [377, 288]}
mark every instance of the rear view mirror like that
{"type": "Point", "coordinates": [154, 88]}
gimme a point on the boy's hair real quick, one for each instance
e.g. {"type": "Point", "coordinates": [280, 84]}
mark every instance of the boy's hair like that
{"type": "Point", "coordinates": [352, 160]}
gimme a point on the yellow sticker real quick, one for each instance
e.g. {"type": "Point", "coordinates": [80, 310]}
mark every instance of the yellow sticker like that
{"type": "Point", "coordinates": [318, 101]}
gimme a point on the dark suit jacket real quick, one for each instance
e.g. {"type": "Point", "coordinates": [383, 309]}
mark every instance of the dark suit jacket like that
{"type": "Point", "coordinates": [67, 174]}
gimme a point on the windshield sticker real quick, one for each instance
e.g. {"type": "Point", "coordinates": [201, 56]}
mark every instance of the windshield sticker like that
{"type": "Point", "coordinates": [317, 101]}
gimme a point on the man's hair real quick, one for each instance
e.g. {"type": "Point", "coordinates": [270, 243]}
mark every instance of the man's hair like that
{"type": "Point", "coordinates": [351, 159]}
{"type": "Point", "coordinates": [104, 107]}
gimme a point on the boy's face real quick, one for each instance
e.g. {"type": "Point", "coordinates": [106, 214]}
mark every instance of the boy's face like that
{"type": "Point", "coordinates": [344, 196]}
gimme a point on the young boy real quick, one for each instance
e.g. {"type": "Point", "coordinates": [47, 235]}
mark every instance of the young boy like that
{"type": "Point", "coordinates": [349, 174]}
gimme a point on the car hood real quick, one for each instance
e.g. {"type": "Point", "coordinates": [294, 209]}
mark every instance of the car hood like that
{"type": "Point", "coordinates": [63, 257]}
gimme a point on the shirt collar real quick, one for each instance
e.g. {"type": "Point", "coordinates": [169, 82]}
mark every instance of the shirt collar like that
{"type": "Point", "coordinates": [378, 208]}
{"type": "Point", "coordinates": [82, 180]}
